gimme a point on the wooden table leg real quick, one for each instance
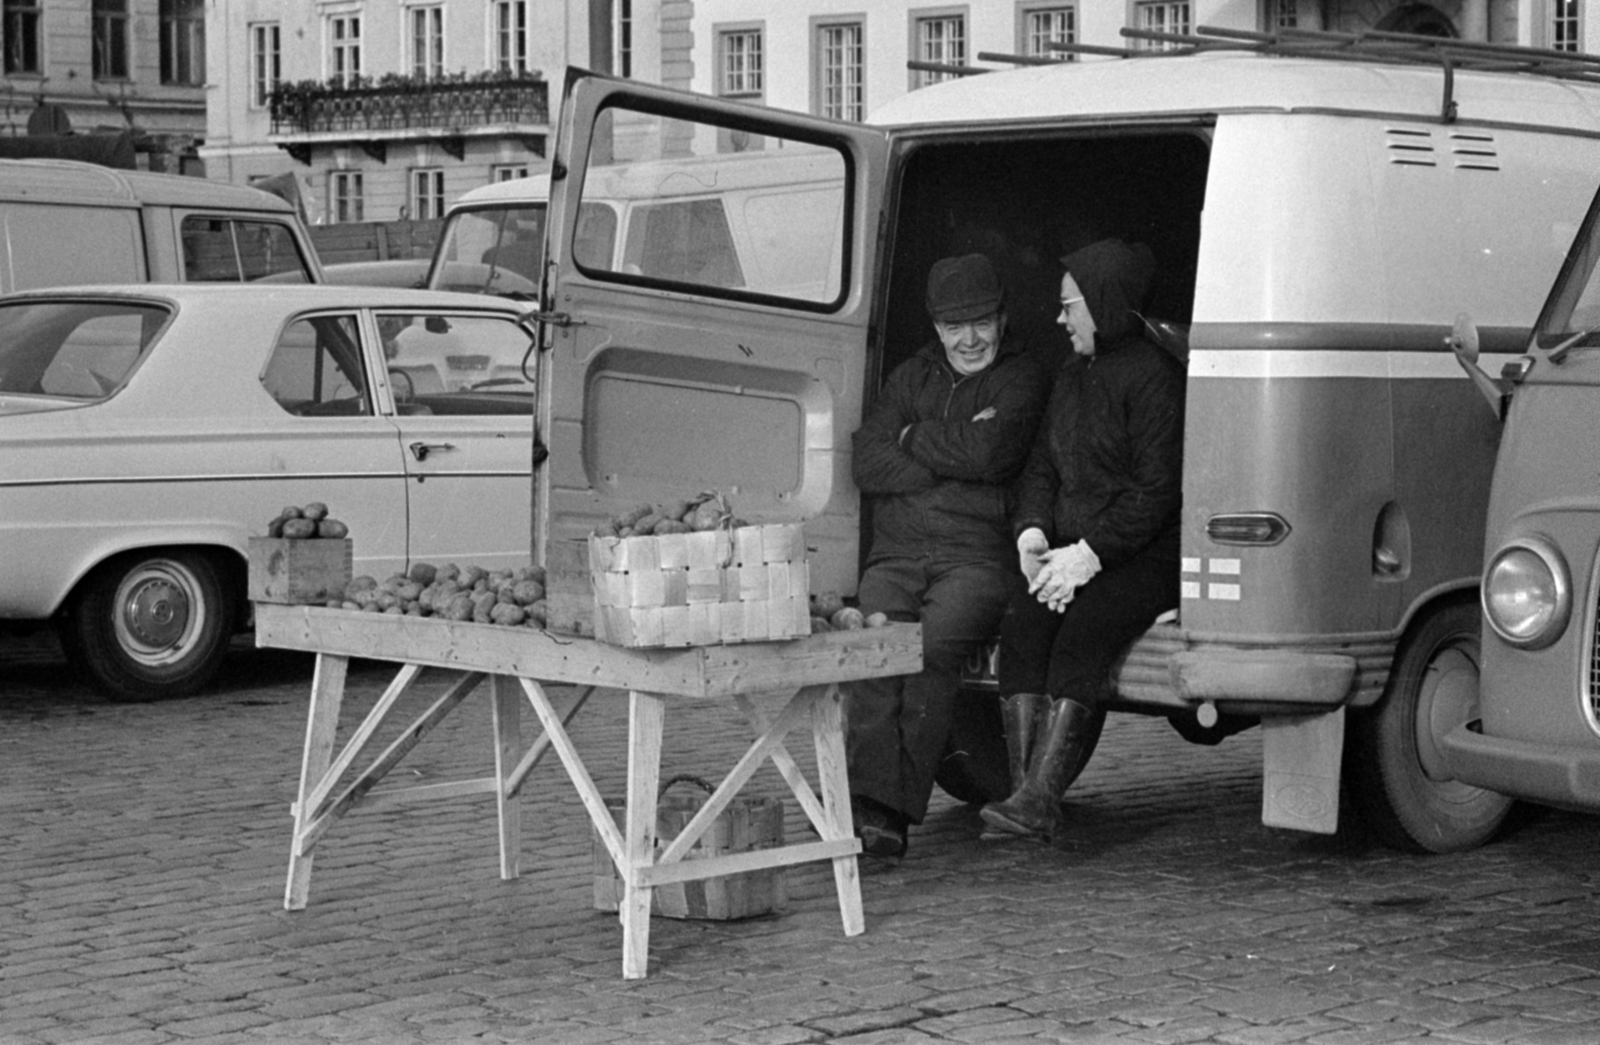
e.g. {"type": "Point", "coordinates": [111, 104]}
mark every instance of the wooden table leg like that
{"type": "Point", "coordinates": [645, 715]}
{"type": "Point", "coordinates": [507, 753]}
{"type": "Point", "coordinates": [322, 722]}
{"type": "Point", "coordinates": [827, 726]}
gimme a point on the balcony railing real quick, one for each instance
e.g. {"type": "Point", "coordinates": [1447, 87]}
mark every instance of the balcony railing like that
{"type": "Point", "coordinates": [397, 104]}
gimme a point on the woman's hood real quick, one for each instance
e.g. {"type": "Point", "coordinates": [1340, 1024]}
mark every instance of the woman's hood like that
{"type": "Point", "coordinates": [1115, 279]}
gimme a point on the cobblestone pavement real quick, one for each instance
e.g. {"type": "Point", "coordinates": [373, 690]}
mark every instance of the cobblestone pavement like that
{"type": "Point", "coordinates": [143, 850]}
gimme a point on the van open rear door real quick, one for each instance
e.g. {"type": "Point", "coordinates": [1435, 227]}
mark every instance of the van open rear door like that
{"type": "Point", "coordinates": [705, 303]}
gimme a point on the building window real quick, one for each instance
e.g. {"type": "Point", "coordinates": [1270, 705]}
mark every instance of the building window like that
{"type": "Point", "coordinates": [344, 49]}
{"type": "Point", "coordinates": [1279, 14]}
{"type": "Point", "coordinates": [1564, 28]}
{"type": "Point", "coordinates": [1162, 17]}
{"type": "Point", "coordinates": [511, 36]}
{"type": "Point", "coordinates": [508, 171]}
{"type": "Point", "coordinates": [427, 193]}
{"type": "Point", "coordinates": [622, 38]}
{"type": "Point", "coordinates": [266, 62]}
{"type": "Point", "coordinates": [1043, 26]}
{"type": "Point", "coordinates": [110, 39]}
{"type": "Point", "coordinates": [22, 36]}
{"type": "Point", "coordinates": [841, 90]}
{"type": "Point", "coordinates": [183, 42]}
{"type": "Point", "coordinates": [427, 41]}
{"type": "Point", "coordinates": [942, 40]}
{"type": "Point", "coordinates": [740, 62]}
{"type": "Point", "coordinates": [345, 202]}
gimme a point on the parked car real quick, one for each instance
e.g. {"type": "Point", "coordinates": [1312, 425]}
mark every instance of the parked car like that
{"type": "Point", "coordinates": [1533, 727]}
{"type": "Point", "coordinates": [151, 429]}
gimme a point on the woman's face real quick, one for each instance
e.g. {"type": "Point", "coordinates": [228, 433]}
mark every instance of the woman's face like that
{"type": "Point", "coordinates": [1075, 317]}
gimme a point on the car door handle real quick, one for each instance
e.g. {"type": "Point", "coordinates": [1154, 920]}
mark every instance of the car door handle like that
{"type": "Point", "coordinates": [421, 450]}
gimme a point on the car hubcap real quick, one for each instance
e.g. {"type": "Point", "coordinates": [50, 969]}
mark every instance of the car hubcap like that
{"type": "Point", "coordinates": [155, 612]}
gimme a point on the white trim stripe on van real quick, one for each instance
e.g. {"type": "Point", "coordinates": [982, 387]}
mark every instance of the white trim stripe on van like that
{"type": "Point", "coordinates": [1306, 363]}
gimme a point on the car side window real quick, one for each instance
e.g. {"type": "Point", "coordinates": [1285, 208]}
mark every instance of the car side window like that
{"type": "Point", "coordinates": [73, 350]}
{"type": "Point", "coordinates": [232, 250]}
{"type": "Point", "coordinates": [316, 371]}
{"type": "Point", "coordinates": [458, 364]}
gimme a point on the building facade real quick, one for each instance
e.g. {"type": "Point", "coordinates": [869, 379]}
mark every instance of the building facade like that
{"type": "Point", "coordinates": [82, 68]}
{"type": "Point", "coordinates": [843, 58]}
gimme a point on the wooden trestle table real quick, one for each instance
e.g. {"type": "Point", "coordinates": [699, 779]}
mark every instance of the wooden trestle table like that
{"type": "Point", "coordinates": [518, 662]}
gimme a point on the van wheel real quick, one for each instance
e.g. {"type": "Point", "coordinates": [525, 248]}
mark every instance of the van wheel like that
{"type": "Point", "coordinates": [1401, 787]}
{"type": "Point", "coordinates": [151, 625]}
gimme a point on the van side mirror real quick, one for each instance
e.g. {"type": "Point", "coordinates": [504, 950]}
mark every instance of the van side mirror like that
{"type": "Point", "coordinates": [1463, 341]}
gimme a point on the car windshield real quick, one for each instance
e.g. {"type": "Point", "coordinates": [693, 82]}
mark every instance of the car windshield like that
{"type": "Point", "coordinates": [492, 250]}
{"type": "Point", "coordinates": [73, 350]}
{"type": "Point", "coordinates": [1571, 317]}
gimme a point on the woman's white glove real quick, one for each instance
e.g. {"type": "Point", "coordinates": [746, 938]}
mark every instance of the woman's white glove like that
{"type": "Point", "coordinates": [1065, 570]}
{"type": "Point", "coordinates": [1032, 546]}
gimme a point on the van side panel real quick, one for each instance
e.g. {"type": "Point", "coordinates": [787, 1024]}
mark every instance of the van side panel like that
{"type": "Point", "coordinates": [1331, 399]}
{"type": "Point", "coordinates": [52, 244]}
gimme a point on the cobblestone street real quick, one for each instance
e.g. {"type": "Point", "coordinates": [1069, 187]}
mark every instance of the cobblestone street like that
{"type": "Point", "coordinates": [143, 850]}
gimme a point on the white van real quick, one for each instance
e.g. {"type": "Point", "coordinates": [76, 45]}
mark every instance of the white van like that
{"type": "Point", "coordinates": [1316, 222]}
{"type": "Point", "coordinates": [65, 223]}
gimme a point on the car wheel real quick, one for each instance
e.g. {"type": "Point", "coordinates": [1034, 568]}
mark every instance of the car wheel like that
{"type": "Point", "coordinates": [151, 625]}
{"type": "Point", "coordinates": [1401, 786]}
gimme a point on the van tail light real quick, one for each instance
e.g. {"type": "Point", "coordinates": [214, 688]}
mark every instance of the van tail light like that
{"type": "Point", "coordinates": [1257, 528]}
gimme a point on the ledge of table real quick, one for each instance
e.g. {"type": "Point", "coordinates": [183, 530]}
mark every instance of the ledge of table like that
{"type": "Point", "coordinates": [697, 671]}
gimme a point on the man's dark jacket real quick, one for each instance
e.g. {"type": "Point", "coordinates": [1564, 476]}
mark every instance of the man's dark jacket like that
{"type": "Point", "coordinates": [943, 487]}
{"type": "Point", "coordinates": [1107, 467]}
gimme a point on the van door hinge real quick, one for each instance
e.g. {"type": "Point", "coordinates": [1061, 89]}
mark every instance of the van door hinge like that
{"type": "Point", "coordinates": [555, 319]}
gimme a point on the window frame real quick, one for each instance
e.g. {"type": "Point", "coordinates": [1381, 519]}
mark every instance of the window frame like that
{"type": "Point", "coordinates": [342, 54]}
{"type": "Point", "coordinates": [16, 15]}
{"type": "Point", "coordinates": [622, 26]}
{"type": "Point", "coordinates": [425, 39]}
{"type": "Point", "coordinates": [821, 48]}
{"type": "Point", "coordinates": [1137, 19]}
{"type": "Point", "coordinates": [508, 36]}
{"type": "Point", "coordinates": [1557, 22]}
{"type": "Point", "coordinates": [920, 18]}
{"type": "Point", "coordinates": [109, 42]}
{"type": "Point", "coordinates": [346, 207]}
{"type": "Point", "coordinates": [183, 42]}
{"type": "Point", "coordinates": [427, 198]}
{"type": "Point", "coordinates": [500, 172]}
{"type": "Point", "coordinates": [262, 81]}
{"type": "Point", "coordinates": [1028, 10]}
{"type": "Point", "coordinates": [726, 32]}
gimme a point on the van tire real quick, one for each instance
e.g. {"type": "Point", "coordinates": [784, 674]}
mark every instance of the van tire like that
{"type": "Point", "coordinates": [1392, 757]}
{"type": "Point", "coordinates": [152, 624]}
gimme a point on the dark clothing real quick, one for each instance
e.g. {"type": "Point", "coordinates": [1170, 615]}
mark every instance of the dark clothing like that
{"type": "Point", "coordinates": [899, 726]}
{"type": "Point", "coordinates": [1107, 467]}
{"type": "Point", "coordinates": [945, 482]}
{"type": "Point", "coordinates": [1071, 654]}
{"type": "Point", "coordinates": [942, 550]}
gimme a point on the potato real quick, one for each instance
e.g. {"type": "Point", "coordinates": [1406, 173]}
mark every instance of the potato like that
{"type": "Point", "coordinates": [706, 517]}
{"type": "Point", "coordinates": [275, 527]}
{"type": "Point", "coordinates": [820, 626]}
{"type": "Point", "coordinates": [458, 608]}
{"type": "Point", "coordinates": [507, 613]}
{"type": "Point", "coordinates": [299, 529]}
{"type": "Point", "coordinates": [359, 584]}
{"type": "Point", "coordinates": [332, 529]}
{"type": "Point", "coordinates": [606, 529]}
{"type": "Point", "coordinates": [407, 591]}
{"type": "Point", "coordinates": [316, 511]}
{"type": "Point", "coordinates": [348, 605]}
{"type": "Point", "coordinates": [528, 592]}
{"type": "Point", "coordinates": [482, 603]}
{"type": "Point", "coordinates": [385, 599]}
{"type": "Point", "coordinates": [671, 526]}
{"type": "Point", "coordinates": [471, 575]}
{"type": "Point", "coordinates": [534, 573]}
{"type": "Point", "coordinates": [539, 611]}
{"type": "Point", "coordinates": [876, 620]}
{"type": "Point", "coordinates": [826, 603]}
{"type": "Point", "coordinates": [290, 512]}
{"type": "Point", "coordinates": [646, 526]}
{"type": "Point", "coordinates": [448, 572]}
{"type": "Point", "coordinates": [632, 515]}
{"type": "Point", "coordinates": [847, 619]}
{"type": "Point", "coordinates": [675, 510]}
{"type": "Point", "coordinates": [423, 573]}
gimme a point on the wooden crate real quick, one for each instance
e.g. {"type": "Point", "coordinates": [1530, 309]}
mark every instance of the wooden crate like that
{"type": "Point", "coordinates": [748, 584]}
{"type": "Point", "coordinates": [569, 594]}
{"type": "Point", "coordinates": [306, 570]}
{"type": "Point", "coordinates": [747, 824]}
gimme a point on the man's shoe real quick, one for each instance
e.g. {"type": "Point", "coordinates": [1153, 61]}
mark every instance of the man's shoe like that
{"type": "Point", "coordinates": [882, 830]}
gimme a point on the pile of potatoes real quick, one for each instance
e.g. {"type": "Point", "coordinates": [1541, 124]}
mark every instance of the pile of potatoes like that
{"type": "Point", "coordinates": [705, 511]}
{"type": "Point", "coordinates": [514, 598]}
{"type": "Point", "coordinates": [304, 523]}
{"type": "Point", "coordinates": [829, 613]}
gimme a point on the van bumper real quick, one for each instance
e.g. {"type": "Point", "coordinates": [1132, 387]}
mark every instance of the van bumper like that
{"type": "Point", "coordinates": [1264, 677]}
{"type": "Point", "coordinates": [1538, 772]}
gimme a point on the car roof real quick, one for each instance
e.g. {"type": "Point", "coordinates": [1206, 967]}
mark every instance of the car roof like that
{"type": "Point", "coordinates": [1222, 81]}
{"type": "Point", "coordinates": [71, 181]}
{"type": "Point", "coordinates": [286, 296]}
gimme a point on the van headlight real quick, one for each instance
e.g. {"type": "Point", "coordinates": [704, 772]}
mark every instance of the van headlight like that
{"type": "Point", "coordinates": [1527, 593]}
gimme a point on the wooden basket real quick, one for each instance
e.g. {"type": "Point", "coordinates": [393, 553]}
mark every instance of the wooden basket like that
{"type": "Point", "coordinates": [747, 824]}
{"type": "Point", "coordinates": [746, 584]}
{"type": "Point", "coordinates": [298, 570]}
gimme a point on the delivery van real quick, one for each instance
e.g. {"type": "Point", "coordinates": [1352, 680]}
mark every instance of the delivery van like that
{"type": "Point", "coordinates": [1316, 224]}
{"type": "Point", "coordinates": [65, 223]}
{"type": "Point", "coordinates": [1536, 733]}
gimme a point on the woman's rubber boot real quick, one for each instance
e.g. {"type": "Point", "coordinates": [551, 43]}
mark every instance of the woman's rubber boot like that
{"type": "Point", "coordinates": [1022, 715]}
{"type": "Point", "coordinates": [1034, 808]}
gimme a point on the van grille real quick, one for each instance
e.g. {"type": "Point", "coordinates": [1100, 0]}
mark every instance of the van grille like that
{"type": "Point", "coordinates": [1411, 147]}
{"type": "Point", "coordinates": [1474, 151]}
{"type": "Point", "coordinates": [1591, 696]}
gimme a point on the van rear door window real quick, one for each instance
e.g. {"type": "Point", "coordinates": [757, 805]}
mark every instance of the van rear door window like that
{"type": "Point", "coordinates": [229, 250]}
{"type": "Point", "coordinates": [714, 209]}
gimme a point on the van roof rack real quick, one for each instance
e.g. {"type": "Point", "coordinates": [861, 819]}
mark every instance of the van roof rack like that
{"type": "Point", "coordinates": [1368, 46]}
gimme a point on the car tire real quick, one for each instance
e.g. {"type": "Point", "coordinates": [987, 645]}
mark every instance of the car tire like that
{"type": "Point", "coordinates": [151, 625]}
{"type": "Point", "coordinates": [1393, 762]}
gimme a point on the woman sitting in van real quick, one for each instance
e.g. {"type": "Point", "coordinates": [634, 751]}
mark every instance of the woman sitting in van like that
{"type": "Point", "coordinates": [1097, 522]}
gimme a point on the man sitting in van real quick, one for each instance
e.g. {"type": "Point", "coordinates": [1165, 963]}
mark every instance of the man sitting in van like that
{"type": "Point", "coordinates": [938, 452]}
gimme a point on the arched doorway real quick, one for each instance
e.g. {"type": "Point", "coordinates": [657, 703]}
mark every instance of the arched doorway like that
{"type": "Point", "coordinates": [1421, 19]}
